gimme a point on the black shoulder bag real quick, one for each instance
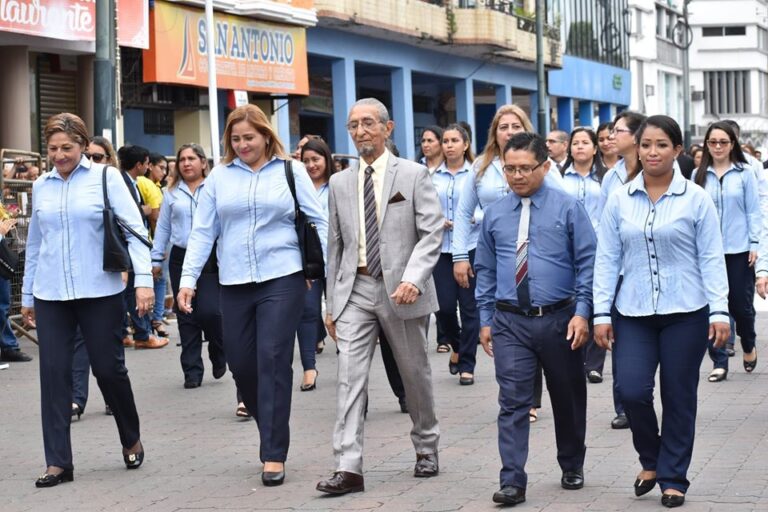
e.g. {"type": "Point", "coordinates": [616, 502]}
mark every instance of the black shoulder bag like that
{"type": "Point", "coordinates": [309, 239]}
{"type": "Point", "coordinates": [116, 256]}
{"type": "Point", "coordinates": [9, 260]}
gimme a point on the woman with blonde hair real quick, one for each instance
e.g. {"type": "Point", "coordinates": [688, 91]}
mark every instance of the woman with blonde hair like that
{"type": "Point", "coordinates": [247, 206]}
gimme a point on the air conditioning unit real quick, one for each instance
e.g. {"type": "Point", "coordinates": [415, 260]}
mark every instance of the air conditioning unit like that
{"type": "Point", "coordinates": [697, 95]}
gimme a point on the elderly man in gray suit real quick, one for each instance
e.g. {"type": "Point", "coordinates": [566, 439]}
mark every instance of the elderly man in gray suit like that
{"type": "Point", "coordinates": [384, 238]}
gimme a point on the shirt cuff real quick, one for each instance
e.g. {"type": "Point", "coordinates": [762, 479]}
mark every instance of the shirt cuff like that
{"type": "Point", "coordinates": [583, 310]}
{"type": "Point", "coordinates": [486, 315]}
{"type": "Point", "coordinates": [602, 319]}
{"type": "Point", "coordinates": [457, 257]}
{"type": "Point", "coordinates": [27, 300]}
{"type": "Point", "coordinates": [754, 246]}
{"type": "Point", "coordinates": [719, 316]}
{"type": "Point", "coordinates": [761, 273]}
{"type": "Point", "coordinates": [143, 281]}
{"type": "Point", "coordinates": [187, 282]}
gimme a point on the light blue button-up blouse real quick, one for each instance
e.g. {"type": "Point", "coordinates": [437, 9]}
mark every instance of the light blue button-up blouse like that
{"type": "Point", "coordinates": [65, 243]}
{"type": "Point", "coordinates": [251, 213]}
{"type": "Point", "coordinates": [671, 253]}
{"type": "Point", "coordinates": [449, 188]}
{"type": "Point", "coordinates": [587, 190]}
{"type": "Point", "coordinates": [175, 221]}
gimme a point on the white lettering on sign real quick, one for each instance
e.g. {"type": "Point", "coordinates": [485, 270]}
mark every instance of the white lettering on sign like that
{"type": "Point", "coordinates": [74, 16]}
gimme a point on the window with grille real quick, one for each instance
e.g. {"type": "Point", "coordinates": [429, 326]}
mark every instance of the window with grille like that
{"type": "Point", "coordinates": [727, 92]}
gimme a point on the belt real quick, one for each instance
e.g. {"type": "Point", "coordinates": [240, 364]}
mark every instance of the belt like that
{"type": "Point", "coordinates": [363, 271]}
{"type": "Point", "coordinates": [534, 311]}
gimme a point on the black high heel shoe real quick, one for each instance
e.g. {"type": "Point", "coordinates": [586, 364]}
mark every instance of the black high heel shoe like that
{"type": "Point", "coordinates": [134, 460]}
{"type": "Point", "coordinates": [310, 387]}
{"type": "Point", "coordinates": [749, 366]}
{"type": "Point", "coordinates": [157, 328]}
{"type": "Point", "coordinates": [49, 480]}
{"type": "Point", "coordinates": [77, 411]}
{"type": "Point", "coordinates": [644, 486]}
{"type": "Point", "coordinates": [273, 478]}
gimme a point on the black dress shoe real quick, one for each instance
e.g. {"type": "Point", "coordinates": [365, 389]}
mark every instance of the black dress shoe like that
{"type": "Point", "coordinates": [403, 406]}
{"type": "Point", "coordinates": [620, 422]}
{"type": "Point", "coordinates": [749, 367]}
{"type": "Point", "coordinates": [426, 465]}
{"type": "Point", "coordinates": [509, 495]}
{"type": "Point", "coordinates": [644, 486]}
{"type": "Point", "coordinates": [672, 500]}
{"type": "Point", "coordinates": [467, 381]}
{"type": "Point", "coordinates": [273, 478]}
{"type": "Point", "coordinates": [572, 480]}
{"type": "Point", "coordinates": [219, 372]}
{"type": "Point", "coordinates": [594, 377]}
{"type": "Point", "coordinates": [342, 482]}
{"type": "Point", "coordinates": [453, 368]}
{"type": "Point", "coordinates": [192, 384]}
{"type": "Point", "coordinates": [134, 460]}
{"type": "Point", "coordinates": [14, 356]}
{"type": "Point", "coordinates": [49, 480]}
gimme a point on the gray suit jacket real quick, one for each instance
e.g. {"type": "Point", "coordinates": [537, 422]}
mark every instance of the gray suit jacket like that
{"type": "Point", "coordinates": [410, 233]}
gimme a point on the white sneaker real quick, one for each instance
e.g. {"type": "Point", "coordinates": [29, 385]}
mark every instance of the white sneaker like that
{"type": "Point", "coordinates": [4, 366]}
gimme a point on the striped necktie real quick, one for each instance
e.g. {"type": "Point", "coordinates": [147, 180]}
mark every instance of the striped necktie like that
{"type": "Point", "coordinates": [521, 261]}
{"type": "Point", "coordinates": [372, 257]}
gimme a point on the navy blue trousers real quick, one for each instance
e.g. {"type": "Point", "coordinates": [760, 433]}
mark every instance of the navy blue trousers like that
{"type": "Point", "coordinates": [519, 343]}
{"type": "Point", "coordinates": [260, 323]}
{"type": "Point", "coordinates": [100, 320]}
{"type": "Point", "coordinates": [204, 319]}
{"type": "Point", "coordinates": [311, 326]}
{"type": "Point", "coordinates": [81, 369]}
{"type": "Point", "coordinates": [676, 345]}
{"type": "Point", "coordinates": [462, 338]}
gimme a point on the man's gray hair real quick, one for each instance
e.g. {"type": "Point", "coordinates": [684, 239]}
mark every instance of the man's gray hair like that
{"type": "Point", "coordinates": [373, 102]}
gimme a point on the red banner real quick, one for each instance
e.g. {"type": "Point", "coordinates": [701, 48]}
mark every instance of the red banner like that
{"type": "Point", "coordinates": [74, 20]}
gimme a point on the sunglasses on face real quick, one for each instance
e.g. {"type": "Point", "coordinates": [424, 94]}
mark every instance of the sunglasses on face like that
{"type": "Point", "coordinates": [98, 157]}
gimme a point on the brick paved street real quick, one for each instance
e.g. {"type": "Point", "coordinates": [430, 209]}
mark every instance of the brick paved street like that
{"type": "Point", "coordinates": [200, 457]}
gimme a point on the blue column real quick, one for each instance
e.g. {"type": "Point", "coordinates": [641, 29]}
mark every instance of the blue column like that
{"type": "Point", "coordinates": [284, 123]}
{"type": "Point", "coordinates": [606, 112]}
{"type": "Point", "coordinates": [586, 109]}
{"type": "Point", "coordinates": [534, 113]}
{"type": "Point", "coordinates": [465, 104]}
{"type": "Point", "coordinates": [344, 96]}
{"type": "Point", "coordinates": [565, 114]}
{"type": "Point", "coordinates": [503, 95]}
{"type": "Point", "coordinates": [402, 112]}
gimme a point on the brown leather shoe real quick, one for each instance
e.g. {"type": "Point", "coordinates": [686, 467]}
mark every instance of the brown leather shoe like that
{"type": "Point", "coordinates": [426, 465]}
{"type": "Point", "coordinates": [342, 482]}
{"type": "Point", "coordinates": [151, 342]}
{"type": "Point", "coordinates": [128, 341]}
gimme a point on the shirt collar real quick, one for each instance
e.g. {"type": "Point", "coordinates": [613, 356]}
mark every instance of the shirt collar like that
{"type": "Point", "coordinates": [183, 184]}
{"type": "Point", "coordinates": [676, 187]}
{"type": "Point", "coordinates": [443, 168]}
{"type": "Point", "coordinates": [537, 198]}
{"type": "Point", "coordinates": [379, 165]}
{"type": "Point", "coordinates": [85, 164]}
{"type": "Point", "coordinates": [735, 166]}
{"type": "Point", "coordinates": [242, 165]}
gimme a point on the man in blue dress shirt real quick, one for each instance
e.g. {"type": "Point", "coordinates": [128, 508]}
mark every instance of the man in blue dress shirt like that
{"type": "Point", "coordinates": [534, 267]}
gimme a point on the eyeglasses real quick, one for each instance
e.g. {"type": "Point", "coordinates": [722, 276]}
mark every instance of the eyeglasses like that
{"type": "Point", "coordinates": [614, 131]}
{"type": "Point", "coordinates": [98, 157]}
{"type": "Point", "coordinates": [368, 124]}
{"type": "Point", "coordinates": [718, 143]}
{"type": "Point", "coordinates": [522, 171]}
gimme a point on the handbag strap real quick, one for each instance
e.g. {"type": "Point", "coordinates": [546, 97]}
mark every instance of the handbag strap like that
{"type": "Point", "coordinates": [120, 222]}
{"type": "Point", "coordinates": [292, 187]}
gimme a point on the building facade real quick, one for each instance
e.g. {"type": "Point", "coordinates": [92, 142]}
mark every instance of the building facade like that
{"type": "Point", "coordinates": [656, 57]}
{"type": "Point", "coordinates": [594, 82]}
{"type": "Point", "coordinates": [729, 66]}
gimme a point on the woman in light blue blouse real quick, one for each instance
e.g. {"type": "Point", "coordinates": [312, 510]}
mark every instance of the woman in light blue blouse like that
{"type": "Point", "coordinates": [583, 173]}
{"type": "Point", "coordinates": [65, 288]}
{"type": "Point", "coordinates": [663, 231]}
{"type": "Point", "coordinates": [318, 160]}
{"type": "Point", "coordinates": [247, 208]}
{"type": "Point", "coordinates": [725, 174]}
{"type": "Point", "coordinates": [625, 125]}
{"type": "Point", "coordinates": [449, 179]}
{"type": "Point", "coordinates": [174, 224]}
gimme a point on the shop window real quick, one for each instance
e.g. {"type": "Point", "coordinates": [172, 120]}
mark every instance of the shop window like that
{"type": "Point", "coordinates": [158, 122]}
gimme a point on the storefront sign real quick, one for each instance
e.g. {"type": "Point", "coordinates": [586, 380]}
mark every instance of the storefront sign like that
{"type": "Point", "coordinates": [250, 55]}
{"type": "Point", "coordinates": [74, 20]}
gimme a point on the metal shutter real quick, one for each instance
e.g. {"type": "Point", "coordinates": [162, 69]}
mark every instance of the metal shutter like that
{"type": "Point", "coordinates": [56, 93]}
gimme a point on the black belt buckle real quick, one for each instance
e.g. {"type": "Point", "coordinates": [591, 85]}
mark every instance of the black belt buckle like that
{"type": "Point", "coordinates": [535, 312]}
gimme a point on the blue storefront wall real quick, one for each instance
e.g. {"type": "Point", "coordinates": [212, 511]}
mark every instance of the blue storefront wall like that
{"type": "Point", "coordinates": [346, 50]}
{"type": "Point", "coordinates": [133, 126]}
{"type": "Point", "coordinates": [588, 83]}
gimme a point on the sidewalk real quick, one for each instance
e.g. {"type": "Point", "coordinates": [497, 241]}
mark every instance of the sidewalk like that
{"type": "Point", "coordinates": [200, 457]}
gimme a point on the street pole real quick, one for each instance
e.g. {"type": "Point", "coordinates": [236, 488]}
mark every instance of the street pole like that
{"type": "Point", "coordinates": [686, 80]}
{"type": "Point", "coordinates": [213, 99]}
{"type": "Point", "coordinates": [541, 113]}
{"type": "Point", "coordinates": [103, 72]}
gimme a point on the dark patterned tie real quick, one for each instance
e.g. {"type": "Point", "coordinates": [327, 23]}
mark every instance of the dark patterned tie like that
{"type": "Point", "coordinates": [373, 259]}
{"type": "Point", "coordinates": [521, 270]}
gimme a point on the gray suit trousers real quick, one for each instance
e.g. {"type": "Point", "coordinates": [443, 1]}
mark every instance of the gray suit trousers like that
{"type": "Point", "coordinates": [357, 329]}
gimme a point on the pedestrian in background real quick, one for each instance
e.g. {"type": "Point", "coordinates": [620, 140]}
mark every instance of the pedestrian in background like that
{"type": "Point", "coordinates": [623, 134]}
{"type": "Point", "coordinates": [730, 182]}
{"type": "Point", "coordinates": [65, 289]}
{"type": "Point", "coordinates": [157, 173]}
{"type": "Point", "coordinates": [10, 352]}
{"type": "Point", "coordinates": [449, 181]}
{"type": "Point", "coordinates": [247, 206]}
{"type": "Point", "coordinates": [431, 148]}
{"type": "Point", "coordinates": [535, 258]}
{"type": "Point", "coordinates": [607, 145]}
{"type": "Point", "coordinates": [663, 232]}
